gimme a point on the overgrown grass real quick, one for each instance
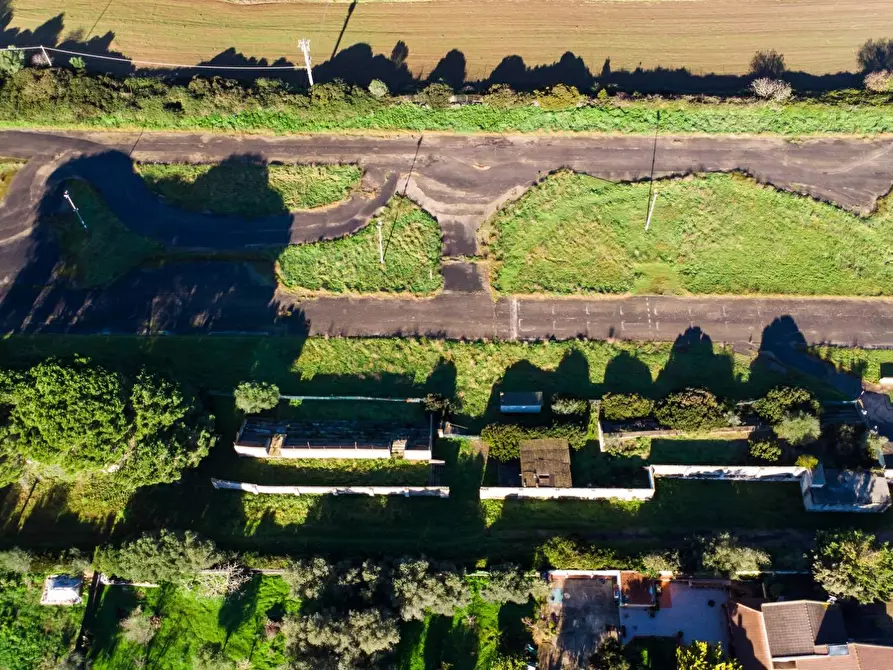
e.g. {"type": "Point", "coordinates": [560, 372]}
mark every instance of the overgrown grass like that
{"type": "Point", "coordinates": [715, 233]}
{"type": "Point", "coordinates": [870, 364]}
{"type": "Point", "coordinates": [33, 635]}
{"type": "Point", "coordinates": [193, 628]}
{"type": "Point", "coordinates": [317, 472]}
{"type": "Point", "coordinates": [411, 243]}
{"type": "Point", "coordinates": [8, 170]}
{"type": "Point", "coordinates": [291, 115]}
{"type": "Point", "coordinates": [107, 249]}
{"type": "Point", "coordinates": [249, 189]}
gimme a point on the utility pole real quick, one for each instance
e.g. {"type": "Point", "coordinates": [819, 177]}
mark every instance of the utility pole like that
{"type": "Point", "coordinates": [74, 207]}
{"type": "Point", "coordinates": [46, 58]}
{"type": "Point", "coordinates": [380, 247]}
{"type": "Point", "coordinates": [304, 46]}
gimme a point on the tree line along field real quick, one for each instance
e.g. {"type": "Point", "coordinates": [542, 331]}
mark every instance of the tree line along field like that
{"type": "Point", "coordinates": [716, 36]}
{"type": "Point", "coordinates": [714, 233]}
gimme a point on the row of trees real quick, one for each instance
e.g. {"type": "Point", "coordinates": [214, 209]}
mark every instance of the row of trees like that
{"type": "Point", "coordinates": [350, 612]}
{"type": "Point", "coordinates": [78, 419]}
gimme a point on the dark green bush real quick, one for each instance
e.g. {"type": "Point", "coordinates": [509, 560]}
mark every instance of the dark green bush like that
{"type": "Point", "coordinates": [783, 400]}
{"type": "Point", "coordinates": [436, 96]}
{"type": "Point", "coordinates": [766, 450]}
{"type": "Point", "coordinates": [560, 96]}
{"type": "Point", "coordinates": [566, 405]}
{"type": "Point", "coordinates": [565, 553]}
{"type": "Point", "coordinates": [504, 439]}
{"type": "Point", "coordinates": [625, 406]}
{"type": "Point", "coordinates": [692, 410]}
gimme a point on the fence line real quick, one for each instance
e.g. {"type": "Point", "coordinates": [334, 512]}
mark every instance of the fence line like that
{"type": "Point", "coordinates": [134, 61]}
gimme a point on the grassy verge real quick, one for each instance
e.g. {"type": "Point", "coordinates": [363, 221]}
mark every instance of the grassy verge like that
{"type": "Point", "coordinates": [709, 234]}
{"type": "Point", "coordinates": [250, 189]}
{"type": "Point", "coordinates": [8, 170]}
{"type": "Point", "coordinates": [296, 113]}
{"type": "Point", "coordinates": [108, 249]}
{"type": "Point", "coordinates": [411, 242]}
{"type": "Point", "coordinates": [33, 635]}
{"type": "Point", "coordinates": [193, 629]}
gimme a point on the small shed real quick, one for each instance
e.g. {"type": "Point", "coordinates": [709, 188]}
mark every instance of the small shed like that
{"type": "Point", "coordinates": [545, 463]}
{"type": "Point", "coordinates": [520, 402]}
{"type": "Point", "coordinates": [62, 590]}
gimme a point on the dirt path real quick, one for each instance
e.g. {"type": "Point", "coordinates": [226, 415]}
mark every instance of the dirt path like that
{"type": "Point", "coordinates": [817, 36]}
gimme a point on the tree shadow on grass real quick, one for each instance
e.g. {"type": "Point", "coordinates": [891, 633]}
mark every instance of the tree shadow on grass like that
{"type": "Point", "coordinates": [627, 374]}
{"type": "Point", "coordinates": [237, 186]}
{"type": "Point", "coordinates": [693, 361]}
{"type": "Point", "coordinates": [240, 608]}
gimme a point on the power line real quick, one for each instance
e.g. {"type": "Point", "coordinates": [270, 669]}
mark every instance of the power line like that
{"type": "Point", "coordinates": [159, 64]}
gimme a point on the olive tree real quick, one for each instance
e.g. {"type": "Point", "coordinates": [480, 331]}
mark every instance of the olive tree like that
{"type": "Point", "coordinates": [417, 591]}
{"type": "Point", "coordinates": [163, 557]}
{"type": "Point", "coordinates": [254, 397]}
{"type": "Point", "coordinates": [851, 564]}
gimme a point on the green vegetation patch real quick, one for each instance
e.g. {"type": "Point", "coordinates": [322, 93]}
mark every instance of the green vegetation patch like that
{"type": "Point", "coordinates": [8, 170]}
{"type": "Point", "coordinates": [324, 472]}
{"type": "Point", "coordinates": [33, 635]}
{"type": "Point", "coordinates": [107, 249]}
{"type": "Point", "coordinates": [193, 631]}
{"type": "Point", "coordinates": [688, 451]}
{"type": "Point", "coordinates": [250, 189]}
{"type": "Point", "coordinates": [411, 242]}
{"type": "Point", "coordinates": [714, 233]}
{"type": "Point", "coordinates": [870, 364]}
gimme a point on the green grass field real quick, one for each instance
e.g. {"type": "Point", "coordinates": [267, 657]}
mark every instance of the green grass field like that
{"type": "Point", "coordinates": [193, 629]}
{"type": "Point", "coordinates": [709, 234]}
{"type": "Point", "coordinates": [33, 635]}
{"type": "Point", "coordinates": [411, 242]}
{"type": "Point", "coordinates": [108, 249]}
{"type": "Point", "coordinates": [8, 170]}
{"type": "Point", "coordinates": [250, 189]}
{"type": "Point", "coordinates": [870, 364]}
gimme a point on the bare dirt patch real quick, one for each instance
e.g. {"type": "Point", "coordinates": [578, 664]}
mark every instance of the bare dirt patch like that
{"type": "Point", "coordinates": [721, 36]}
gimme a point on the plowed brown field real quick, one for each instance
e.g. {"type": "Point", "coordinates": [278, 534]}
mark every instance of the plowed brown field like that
{"type": "Point", "coordinates": [817, 36]}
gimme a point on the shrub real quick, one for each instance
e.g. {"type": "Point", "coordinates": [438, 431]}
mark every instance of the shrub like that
{"type": "Point", "coordinates": [165, 557]}
{"type": "Point", "coordinates": [641, 447]}
{"type": "Point", "coordinates": [565, 553]}
{"type": "Point", "coordinates": [565, 405]}
{"type": "Point", "coordinates": [766, 450]}
{"type": "Point", "coordinates": [436, 403]}
{"type": "Point", "coordinates": [436, 96]}
{"type": "Point", "coordinates": [11, 62]}
{"type": "Point", "coordinates": [560, 96]}
{"type": "Point", "coordinates": [139, 628]}
{"type": "Point", "coordinates": [799, 429]}
{"type": "Point", "coordinates": [783, 400]}
{"type": "Point", "coordinates": [508, 584]}
{"type": "Point", "coordinates": [378, 89]}
{"type": "Point", "coordinates": [771, 89]}
{"type": "Point", "coordinates": [851, 564]}
{"type": "Point", "coordinates": [504, 439]}
{"type": "Point", "coordinates": [501, 96]}
{"type": "Point", "coordinates": [698, 655]}
{"type": "Point", "coordinates": [15, 560]}
{"type": "Point", "coordinates": [625, 406]}
{"type": "Point", "coordinates": [654, 564]}
{"type": "Point", "coordinates": [609, 655]}
{"type": "Point", "coordinates": [77, 64]}
{"type": "Point", "coordinates": [691, 410]}
{"type": "Point", "coordinates": [879, 82]}
{"type": "Point", "coordinates": [807, 461]}
{"type": "Point", "coordinates": [253, 397]}
{"type": "Point", "coordinates": [724, 556]}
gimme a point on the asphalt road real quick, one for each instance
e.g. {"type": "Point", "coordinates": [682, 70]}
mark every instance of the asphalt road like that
{"type": "Point", "coordinates": [460, 179]}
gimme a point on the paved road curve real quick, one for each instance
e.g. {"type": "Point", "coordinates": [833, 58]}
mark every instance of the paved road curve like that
{"type": "Point", "coordinates": [461, 179]}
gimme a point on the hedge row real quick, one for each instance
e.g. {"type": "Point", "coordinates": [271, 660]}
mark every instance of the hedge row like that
{"type": "Point", "coordinates": [504, 439]}
{"type": "Point", "coordinates": [63, 97]}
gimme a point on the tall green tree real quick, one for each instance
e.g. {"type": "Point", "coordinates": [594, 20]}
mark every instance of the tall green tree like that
{"type": "Point", "coordinates": [163, 557]}
{"type": "Point", "coordinates": [852, 564]}
{"type": "Point", "coordinates": [703, 656]}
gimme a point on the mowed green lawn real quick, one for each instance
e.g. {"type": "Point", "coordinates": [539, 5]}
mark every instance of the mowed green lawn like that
{"type": "Point", "coordinates": [714, 233]}
{"type": "Point", "coordinates": [411, 245]}
{"type": "Point", "coordinates": [250, 189]}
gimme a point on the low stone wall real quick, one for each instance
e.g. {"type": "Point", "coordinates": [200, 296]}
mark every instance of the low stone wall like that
{"type": "Point", "coordinates": [766, 473]}
{"type": "Point", "coordinates": [406, 491]}
{"type": "Point", "coordinates": [286, 452]}
{"type": "Point", "coordinates": [547, 493]}
{"type": "Point", "coordinates": [417, 455]}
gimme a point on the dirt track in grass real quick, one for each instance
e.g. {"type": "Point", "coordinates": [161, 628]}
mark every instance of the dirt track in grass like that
{"type": "Point", "coordinates": [721, 36]}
